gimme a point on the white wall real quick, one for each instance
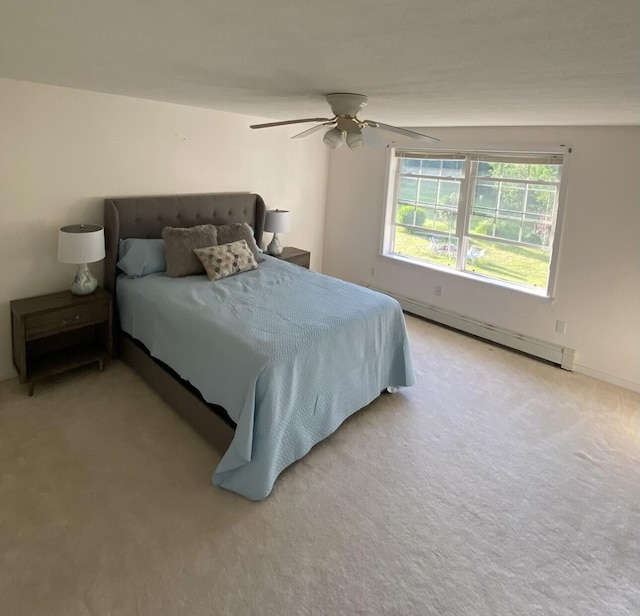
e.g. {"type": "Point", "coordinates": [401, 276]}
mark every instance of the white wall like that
{"type": "Point", "coordinates": [598, 285]}
{"type": "Point", "coordinates": [62, 151]}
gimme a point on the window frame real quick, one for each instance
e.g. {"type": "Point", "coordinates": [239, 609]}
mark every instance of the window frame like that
{"type": "Point", "coordinates": [465, 209]}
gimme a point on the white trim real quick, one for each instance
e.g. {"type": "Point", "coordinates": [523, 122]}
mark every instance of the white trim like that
{"type": "Point", "coordinates": [563, 356]}
{"type": "Point", "coordinates": [390, 196]}
{"type": "Point", "coordinates": [471, 276]}
{"type": "Point", "coordinates": [607, 378]}
{"type": "Point", "coordinates": [494, 148]}
{"type": "Point", "coordinates": [557, 228]}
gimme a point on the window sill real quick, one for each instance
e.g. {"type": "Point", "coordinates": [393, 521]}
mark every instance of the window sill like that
{"type": "Point", "coordinates": [476, 278]}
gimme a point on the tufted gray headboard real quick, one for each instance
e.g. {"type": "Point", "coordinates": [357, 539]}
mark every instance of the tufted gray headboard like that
{"type": "Point", "coordinates": [145, 217]}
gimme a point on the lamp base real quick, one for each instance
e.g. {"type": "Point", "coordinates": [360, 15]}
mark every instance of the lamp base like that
{"type": "Point", "coordinates": [85, 282]}
{"type": "Point", "coordinates": [275, 247]}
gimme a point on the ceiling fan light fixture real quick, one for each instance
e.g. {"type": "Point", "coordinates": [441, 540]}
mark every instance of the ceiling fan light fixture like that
{"type": "Point", "coordinates": [355, 140]}
{"type": "Point", "coordinates": [333, 138]}
{"type": "Point", "coordinates": [347, 127]}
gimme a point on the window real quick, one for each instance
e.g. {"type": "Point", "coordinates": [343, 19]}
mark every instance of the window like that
{"type": "Point", "coordinates": [490, 215]}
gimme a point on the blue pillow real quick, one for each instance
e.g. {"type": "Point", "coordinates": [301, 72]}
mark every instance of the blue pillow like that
{"type": "Point", "coordinates": [140, 257]}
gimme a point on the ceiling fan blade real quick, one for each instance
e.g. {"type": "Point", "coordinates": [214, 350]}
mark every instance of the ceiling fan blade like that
{"type": "Point", "coordinates": [285, 122]}
{"type": "Point", "coordinates": [400, 131]}
{"type": "Point", "coordinates": [373, 138]}
{"type": "Point", "coordinates": [309, 131]}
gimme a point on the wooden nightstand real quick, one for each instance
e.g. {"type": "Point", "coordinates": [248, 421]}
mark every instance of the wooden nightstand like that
{"type": "Point", "coordinates": [296, 255]}
{"type": "Point", "coordinates": [59, 332]}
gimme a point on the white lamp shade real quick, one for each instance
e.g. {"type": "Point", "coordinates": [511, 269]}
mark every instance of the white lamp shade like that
{"type": "Point", "coordinates": [81, 244]}
{"type": "Point", "coordinates": [277, 221]}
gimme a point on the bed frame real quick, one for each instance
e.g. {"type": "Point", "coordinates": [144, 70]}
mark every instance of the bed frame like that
{"type": "Point", "coordinates": [145, 217]}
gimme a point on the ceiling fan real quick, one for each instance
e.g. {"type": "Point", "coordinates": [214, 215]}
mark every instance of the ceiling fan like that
{"type": "Point", "coordinates": [347, 127]}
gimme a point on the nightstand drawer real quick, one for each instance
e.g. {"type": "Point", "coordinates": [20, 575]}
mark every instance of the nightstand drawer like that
{"type": "Point", "coordinates": [44, 323]}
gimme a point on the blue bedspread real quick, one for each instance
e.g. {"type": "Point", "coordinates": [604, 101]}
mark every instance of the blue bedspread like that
{"type": "Point", "coordinates": [289, 353]}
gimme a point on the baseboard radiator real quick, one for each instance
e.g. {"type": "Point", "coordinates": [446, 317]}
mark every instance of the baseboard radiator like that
{"type": "Point", "coordinates": [563, 356]}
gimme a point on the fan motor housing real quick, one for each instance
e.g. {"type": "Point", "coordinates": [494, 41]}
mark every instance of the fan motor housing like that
{"type": "Point", "coordinates": [344, 104]}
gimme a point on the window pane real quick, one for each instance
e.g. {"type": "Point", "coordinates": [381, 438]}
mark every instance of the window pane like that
{"type": "Point", "coordinates": [517, 212]}
{"type": "Point", "coordinates": [536, 233]}
{"type": "Point", "coordinates": [436, 250]}
{"type": "Point", "coordinates": [452, 168]}
{"type": "Point", "coordinates": [515, 171]}
{"type": "Point", "coordinates": [519, 171]}
{"type": "Point", "coordinates": [449, 193]}
{"type": "Point", "coordinates": [430, 217]}
{"type": "Point", "coordinates": [486, 196]}
{"type": "Point", "coordinates": [511, 197]}
{"type": "Point", "coordinates": [444, 250]}
{"type": "Point", "coordinates": [406, 214]}
{"type": "Point", "coordinates": [446, 220]}
{"type": "Point", "coordinates": [408, 189]}
{"type": "Point", "coordinates": [491, 170]}
{"type": "Point", "coordinates": [410, 165]}
{"type": "Point", "coordinates": [436, 201]}
{"type": "Point", "coordinates": [424, 216]}
{"type": "Point", "coordinates": [428, 192]}
{"type": "Point", "coordinates": [485, 169]}
{"type": "Point", "coordinates": [541, 199]}
{"type": "Point", "coordinates": [523, 265]}
{"type": "Point", "coordinates": [482, 225]}
{"type": "Point", "coordinates": [442, 168]}
{"type": "Point", "coordinates": [507, 229]}
{"type": "Point", "coordinates": [415, 216]}
{"type": "Point", "coordinates": [547, 173]}
{"type": "Point", "coordinates": [475, 254]}
{"type": "Point", "coordinates": [431, 167]}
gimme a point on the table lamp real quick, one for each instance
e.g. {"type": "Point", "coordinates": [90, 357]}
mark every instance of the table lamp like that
{"type": "Point", "coordinates": [81, 244]}
{"type": "Point", "coordinates": [276, 221]}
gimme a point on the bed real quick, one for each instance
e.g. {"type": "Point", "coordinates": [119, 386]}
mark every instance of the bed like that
{"type": "Point", "coordinates": [266, 363]}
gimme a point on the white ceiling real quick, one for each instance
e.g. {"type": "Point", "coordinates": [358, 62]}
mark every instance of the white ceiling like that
{"type": "Point", "coordinates": [421, 62]}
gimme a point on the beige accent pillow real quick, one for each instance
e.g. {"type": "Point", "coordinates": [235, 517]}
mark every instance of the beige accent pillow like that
{"type": "Point", "coordinates": [236, 231]}
{"type": "Point", "coordinates": [226, 259]}
{"type": "Point", "coordinates": [180, 244]}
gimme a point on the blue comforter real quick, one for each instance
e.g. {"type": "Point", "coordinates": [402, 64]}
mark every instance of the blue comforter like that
{"type": "Point", "coordinates": [289, 353]}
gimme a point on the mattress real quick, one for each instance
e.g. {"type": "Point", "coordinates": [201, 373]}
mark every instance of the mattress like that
{"type": "Point", "coordinates": [289, 354]}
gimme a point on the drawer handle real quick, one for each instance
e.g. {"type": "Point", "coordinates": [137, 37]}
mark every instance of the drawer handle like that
{"type": "Point", "coordinates": [67, 321]}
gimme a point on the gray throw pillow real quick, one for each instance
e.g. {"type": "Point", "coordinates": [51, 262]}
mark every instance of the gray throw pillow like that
{"type": "Point", "coordinates": [236, 231]}
{"type": "Point", "coordinates": [180, 244]}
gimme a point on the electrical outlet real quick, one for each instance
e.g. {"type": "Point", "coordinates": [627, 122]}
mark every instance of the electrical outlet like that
{"type": "Point", "coordinates": [438, 290]}
{"type": "Point", "coordinates": [561, 327]}
{"type": "Point", "coordinates": [372, 271]}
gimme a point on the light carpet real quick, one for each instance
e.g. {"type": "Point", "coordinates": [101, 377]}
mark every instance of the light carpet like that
{"type": "Point", "coordinates": [498, 485]}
